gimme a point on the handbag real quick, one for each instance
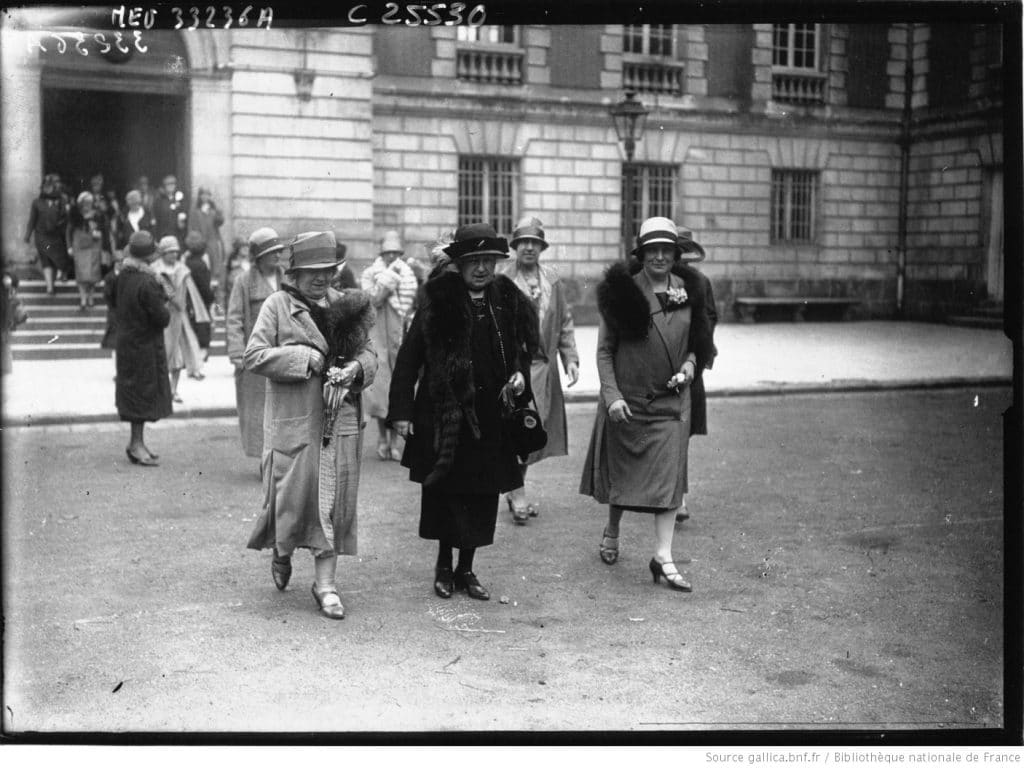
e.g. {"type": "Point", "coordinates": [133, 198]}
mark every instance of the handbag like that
{"type": "Point", "coordinates": [522, 425]}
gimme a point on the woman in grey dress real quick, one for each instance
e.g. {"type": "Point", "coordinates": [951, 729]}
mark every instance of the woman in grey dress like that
{"type": "Point", "coordinates": [653, 339]}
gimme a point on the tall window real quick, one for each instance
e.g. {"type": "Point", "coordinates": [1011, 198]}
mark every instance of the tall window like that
{"type": "Point", "coordinates": [490, 33]}
{"type": "Point", "coordinates": [488, 191]}
{"type": "Point", "coordinates": [648, 59]}
{"type": "Point", "coordinates": [794, 195]}
{"type": "Point", "coordinates": [797, 55]}
{"type": "Point", "coordinates": [795, 46]}
{"type": "Point", "coordinates": [654, 193]}
{"type": "Point", "coordinates": [648, 39]}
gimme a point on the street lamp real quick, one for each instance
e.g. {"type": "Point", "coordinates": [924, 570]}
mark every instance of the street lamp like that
{"type": "Point", "coordinates": [628, 117]}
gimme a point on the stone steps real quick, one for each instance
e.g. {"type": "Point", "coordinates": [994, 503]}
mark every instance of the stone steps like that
{"type": "Point", "coordinates": [58, 330]}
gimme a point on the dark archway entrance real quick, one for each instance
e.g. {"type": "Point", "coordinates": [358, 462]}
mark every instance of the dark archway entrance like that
{"type": "Point", "coordinates": [122, 135]}
{"type": "Point", "coordinates": [124, 116]}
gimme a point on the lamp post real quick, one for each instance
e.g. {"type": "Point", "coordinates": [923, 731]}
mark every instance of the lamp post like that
{"type": "Point", "coordinates": [628, 117]}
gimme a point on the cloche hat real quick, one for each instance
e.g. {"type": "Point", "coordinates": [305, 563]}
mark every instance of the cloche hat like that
{"type": "Point", "coordinates": [263, 241]}
{"type": "Point", "coordinates": [654, 231]}
{"type": "Point", "coordinates": [168, 244]}
{"type": "Point", "coordinates": [529, 228]}
{"type": "Point", "coordinates": [195, 242]}
{"type": "Point", "coordinates": [313, 250]}
{"type": "Point", "coordinates": [391, 243]}
{"type": "Point", "coordinates": [478, 239]}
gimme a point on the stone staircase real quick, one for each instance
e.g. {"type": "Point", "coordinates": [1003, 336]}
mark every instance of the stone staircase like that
{"type": "Point", "coordinates": [987, 314]}
{"type": "Point", "coordinates": [56, 329]}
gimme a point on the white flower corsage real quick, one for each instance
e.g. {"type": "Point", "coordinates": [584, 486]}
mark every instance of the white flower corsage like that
{"type": "Point", "coordinates": [677, 296]}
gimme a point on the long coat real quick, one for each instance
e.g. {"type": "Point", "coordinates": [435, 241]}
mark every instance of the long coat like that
{"type": "Point", "coordinates": [248, 293]}
{"type": "Point", "coordinates": [309, 489]}
{"type": "Point", "coordinates": [392, 290]}
{"type": "Point", "coordinates": [143, 390]}
{"type": "Point", "coordinates": [208, 224]}
{"type": "Point", "coordinates": [48, 221]}
{"type": "Point", "coordinates": [457, 443]}
{"type": "Point", "coordinates": [557, 339]}
{"type": "Point", "coordinates": [642, 463]}
{"type": "Point", "coordinates": [179, 338]}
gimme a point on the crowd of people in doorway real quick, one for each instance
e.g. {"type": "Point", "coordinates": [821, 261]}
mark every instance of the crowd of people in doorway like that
{"type": "Point", "coordinates": [456, 363]}
{"type": "Point", "coordinates": [89, 241]}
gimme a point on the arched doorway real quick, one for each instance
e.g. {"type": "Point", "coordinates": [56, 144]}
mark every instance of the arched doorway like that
{"type": "Point", "coordinates": [124, 116]}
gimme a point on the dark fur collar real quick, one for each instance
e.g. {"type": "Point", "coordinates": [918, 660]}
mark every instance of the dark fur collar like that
{"type": "Point", "coordinates": [447, 328]}
{"type": "Point", "coordinates": [622, 303]}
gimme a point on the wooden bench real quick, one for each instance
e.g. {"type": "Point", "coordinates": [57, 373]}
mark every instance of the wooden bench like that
{"type": "Point", "coordinates": [747, 306]}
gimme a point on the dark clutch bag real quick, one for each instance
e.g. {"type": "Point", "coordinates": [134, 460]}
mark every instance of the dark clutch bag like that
{"type": "Point", "coordinates": [525, 429]}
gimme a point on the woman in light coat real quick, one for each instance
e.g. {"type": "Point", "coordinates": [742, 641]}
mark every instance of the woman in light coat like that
{"type": "Point", "coordinates": [312, 344]}
{"type": "Point", "coordinates": [557, 339]}
{"type": "Point", "coordinates": [653, 339]}
{"type": "Point", "coordinates": [248, 293]}
{"type": "Point", "coordinates": [179, 338]}
{"type": "Point", "coordinates": [392, 286]}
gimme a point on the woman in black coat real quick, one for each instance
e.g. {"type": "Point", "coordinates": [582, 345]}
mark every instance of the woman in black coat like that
{"type": "Point", "coordinates": [473, 338]}
{"type": "Point", "coordinates": [143, 390]}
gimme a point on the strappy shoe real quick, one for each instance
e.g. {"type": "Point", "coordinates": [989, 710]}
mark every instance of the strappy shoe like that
{"type": "Point", "coordinates": [533, 510]}
{"type": "Point", "coordinates": [609, 548]}
{"type": "Point", "coordinates": [396, 454]}
{"type": "Point", "coordinates": [280, 570]}
{"type": "Point", "coordinates": [331, 608]}
{"type": "Point", "coordinates": [519, 515]}
{"type": "Point", "coordinates": [145, 461]}
{"type": "Point", "coordinates": [671, 574]}
{"type": "Point", "coordinates": [468, 581]}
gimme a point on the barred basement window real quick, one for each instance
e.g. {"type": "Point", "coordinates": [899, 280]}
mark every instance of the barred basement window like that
{"type": "Point", "coordinates": [488, 191]}
{"type": "Point", "coordinates": [794, 194]}
{"type": "Point", "coordinates": [654, 193]}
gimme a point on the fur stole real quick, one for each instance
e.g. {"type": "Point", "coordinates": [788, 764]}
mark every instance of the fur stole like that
{"type": "Point", "coordinates": [624, 307]}
{"type": "Point", "coordinates": [348, 321]}
{"type": "Point", "coordinates": [447, 330]}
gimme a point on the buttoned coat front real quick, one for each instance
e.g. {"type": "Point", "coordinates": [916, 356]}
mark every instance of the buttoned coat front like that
{"type": "Point", "coordinates": [297, 512]}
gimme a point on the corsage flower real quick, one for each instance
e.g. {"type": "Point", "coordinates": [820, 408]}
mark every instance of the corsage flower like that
{"type": "Point", "coordinates": [677, 296]}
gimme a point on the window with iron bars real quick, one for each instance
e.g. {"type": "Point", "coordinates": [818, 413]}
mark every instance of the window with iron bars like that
{"type": "Point", "coordinates": [794, 197]}
{"type": "Point", "coordinates": [648, 39]}
{"type": "Point", "coordinates": [489, 191]}
{"type": "Point", "coordinates": [654, 193]}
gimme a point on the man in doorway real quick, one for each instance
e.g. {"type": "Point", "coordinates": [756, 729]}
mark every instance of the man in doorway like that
{"type": "Point", "coordinates": [170, 211]}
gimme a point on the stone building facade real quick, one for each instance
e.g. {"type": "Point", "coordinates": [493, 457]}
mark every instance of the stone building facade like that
{"type": "Point", "coordinates": [809, 159]}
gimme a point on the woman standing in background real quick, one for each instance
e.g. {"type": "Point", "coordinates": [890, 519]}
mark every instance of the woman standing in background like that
{"type": "Point", "coordinates": [392, 285]}
{"type": "Point", "coordinates": [248, 293]}
{"type": "Point", "coordinates": [557, 339]}
{"type": "Point", "coordinates": [179, 339]}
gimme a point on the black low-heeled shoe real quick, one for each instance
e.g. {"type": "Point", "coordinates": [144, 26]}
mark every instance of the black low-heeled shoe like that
{"type": "Point", "coordinates": [444, 584]}
{"type": "Point", "coordinates": [468, 581]}
{"type": "Point", "coordinates": [280, 570]}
